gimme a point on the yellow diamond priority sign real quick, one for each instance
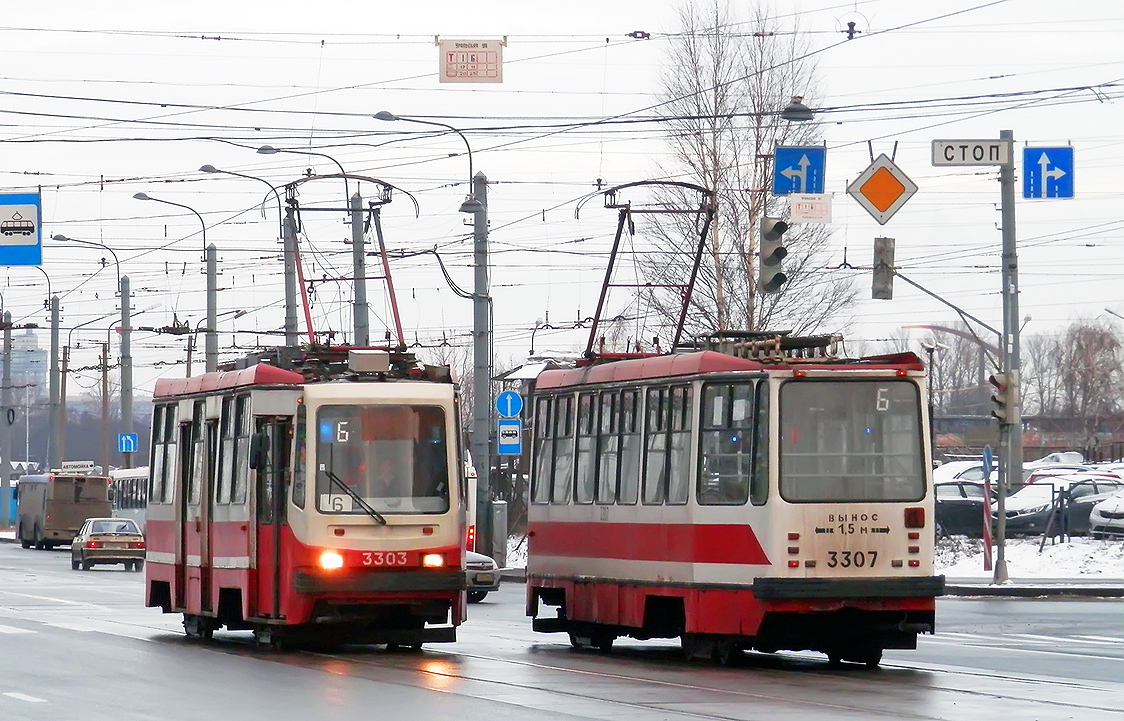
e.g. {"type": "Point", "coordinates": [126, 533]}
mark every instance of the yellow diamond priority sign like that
{"type": "Point", "coordinates": [882, 189]}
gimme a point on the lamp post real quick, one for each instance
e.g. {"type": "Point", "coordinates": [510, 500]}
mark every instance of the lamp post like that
{"type": "Point", "coordinates": [270, 150]}
{"type": "Point", "coordinates": [470, 204]}
{"type": "Point", "coordinates": [289, 253]}
{"type": "Point", "coordinates": [59, 237]}
{"type": "Point", "coordinates": [209, 251]}
{"type": "Point", "coordinates": [62, 386]}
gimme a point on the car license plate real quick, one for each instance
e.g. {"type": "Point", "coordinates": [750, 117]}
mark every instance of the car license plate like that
{"type": "Point", "coordinates": [113, 544]}
{"type": "Point", "coordinates": [485, 578]}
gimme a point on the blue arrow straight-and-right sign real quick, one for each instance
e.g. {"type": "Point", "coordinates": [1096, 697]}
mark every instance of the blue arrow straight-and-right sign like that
{"type": "Point", "coordinates": [799, 170]}
{"type": "Point", "coordinates": [127, 442]}
{"type": "Point", "coordinates": [1048, 172]}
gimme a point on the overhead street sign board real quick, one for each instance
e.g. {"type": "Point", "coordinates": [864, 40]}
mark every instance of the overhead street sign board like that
{"type": "Point", "coordinates": [1048, 172]}
{"type": "Point", "coordinates": [21, 229]}
{"type": "Point", "coordinates": [882, 189]}
{"type": "Point", "coordinates": [471, 61]}
{"type": "Point", "coordinates": [971, 152]}
{"type": "Point", "coordinates": [127, 442]}
{"type": "Point", "coordinates": [799, 170]}
{"type": "Point", "coordinates": [809, 208]}
{"type": "Point", "coordinates": [509, 437]}
{"type": "Point", "coordinates": [509, 404]}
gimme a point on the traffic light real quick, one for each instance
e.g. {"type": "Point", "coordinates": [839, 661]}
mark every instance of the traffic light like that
{"type": "Point", "coordinates": [771, 251]}
{"type": "Point", "coordinates": [883, 285]}
{"type": "Point", "coordinates": [1005, 396]}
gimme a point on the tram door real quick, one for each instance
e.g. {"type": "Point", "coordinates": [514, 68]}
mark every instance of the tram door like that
{"type": "Point", "coordinates": [182, 513]}
{"type": "Point", "coordinates": [269, 456]}
{"type": "Point", "coordinates": [193, 519]}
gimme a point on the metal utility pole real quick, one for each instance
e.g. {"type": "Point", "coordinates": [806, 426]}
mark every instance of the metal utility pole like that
{"type": "Point", "coordinates": [481, 367]}
{"type": "Point", "coordinates": [105, 408]}
{"type": "Point", "coordinates": [126, 366]}
{"type": "Point", "coordinates": [290, 255]}
{"type": "Point", "coordinates": [7, 416]}
{"type": "Point", "coordinates": [359, 263]}
{"type": "Point", "coordinates": [63, 414]}
{"type": "Point", "coordinates": [53, 451]}
{"type": "Point", "coordinates": [1010, 433]}
{"type": "Point", "coordinates": [212, 341]}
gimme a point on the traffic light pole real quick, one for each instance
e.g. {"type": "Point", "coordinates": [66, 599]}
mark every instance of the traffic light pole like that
{"type": "Point", "coordinates": [1011, 432]}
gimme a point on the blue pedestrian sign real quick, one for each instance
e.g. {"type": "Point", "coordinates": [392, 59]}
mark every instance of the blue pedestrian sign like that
{"type": "Point", "coordinates": [127, 442]}
{"type": "Point", "coordinates": [509, 404]}
{"type": "Point", "coordinates": [799, 170]}
{"type": "Point", "coordinates": [21, 226]}
{"type": "Point", "coordinates": [1048, 172]}
{"type": "Point", "coordinates": [509, 436]}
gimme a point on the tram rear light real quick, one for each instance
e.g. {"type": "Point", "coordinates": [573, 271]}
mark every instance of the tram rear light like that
{"type": "Point", "coordinates": [433, 560]}
{"type": "Point", "coordinates": [799, 374]}
{"type": "Point", "coordinates": [331, 560]}
{"type": "Point", "coordinates": [914, 535]}
{"type": "Point", "coordinates": [793, 550]}
{"type": "Point", "coordinates": [914, 563]}
{"type": "Point", "coordinates": [794, 564]}
{"type": "Point", "coordinates": [427, 530]}
{"type": "Point", "coordinates": [915, 517]}
{"type": "Point", "coordinates": [901, 373]}
{"type": "Point", "coordinates": [471, 541]}
{"type": "Point", "coordinates": [794, 536]}
{"type": "Point", "coordinates": [915, 549]}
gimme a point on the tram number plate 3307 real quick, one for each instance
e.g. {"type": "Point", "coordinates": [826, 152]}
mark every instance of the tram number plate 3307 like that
{"type": "Point", "coordinates": [385, 558]}
{"type": "Point", "coordinates": [851, 559]}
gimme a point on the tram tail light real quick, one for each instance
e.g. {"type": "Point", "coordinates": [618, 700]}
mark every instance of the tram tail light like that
{"type": "Point", "coordinates": [433, 560]}
{"type": "Point", "coordinates": [915, 517]}
{"type": "Point", "coordinates": [471, 540]}
{"type": "Point", "coordinates": [331, 560]}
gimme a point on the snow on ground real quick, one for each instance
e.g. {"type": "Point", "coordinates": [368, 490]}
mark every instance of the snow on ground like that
{"type": "Point", "coordinates": [517, 552]}
{"type": "Point", "coordinates": [961, 557]}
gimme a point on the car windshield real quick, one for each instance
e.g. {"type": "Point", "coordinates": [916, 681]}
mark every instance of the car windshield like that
{"type": "Point", "coordinates": [387, 458]}
{"type": "Point", "coordinates": [124, 525]}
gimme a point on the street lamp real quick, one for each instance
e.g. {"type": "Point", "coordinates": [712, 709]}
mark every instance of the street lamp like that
{"type": "Point", "coordinates": [797, 111]}
{"type": "Point", "coordinates": [62, 384]}
{"type": "Point", "coordinates": [208, 168]}
{"type": "Point", "coordinates": [59, 237]}
{"type": "Point", "coordinates": [470, 204]}
{"type": "Point", "coordinates": [270, 150]}
{"type": "Point", "coordinates": [209, 253]}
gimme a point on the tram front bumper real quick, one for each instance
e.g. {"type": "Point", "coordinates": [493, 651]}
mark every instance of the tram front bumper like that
{"type": "Point", "coordinates": [368, 581]}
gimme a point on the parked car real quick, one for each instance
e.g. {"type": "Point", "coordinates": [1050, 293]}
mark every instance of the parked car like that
{"type": "Point", "coordinates": [108, 541]}
{"type": "Point", "coordinates": [483, 576]}
{"type": "Point", "coordinates": [970, 470]}
{"type": "Point", "coordinates": [1107, 517]}
{"type": "Point", "coordinates": [1029, 510]}
{"type": "Point", "coordinates": [959, 508]}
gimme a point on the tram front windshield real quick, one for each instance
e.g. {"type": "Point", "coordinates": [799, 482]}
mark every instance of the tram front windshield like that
{"type": "Point", "coordinates": [392, 457]}
{"type": "Point", "coordinates": [851, 441]}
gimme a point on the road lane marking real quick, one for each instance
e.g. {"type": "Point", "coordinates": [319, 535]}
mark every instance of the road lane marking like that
{"type": "Point", "coordinates": [24, 697]}
{"type": "Point", "coordinates": [71, 627]}
{"type": "Point", "coordinates": [1112, 639]}
{"type": "Point", "coordinates": [15, 629]}
{"type": "Point", "coordinates": [58, 600]}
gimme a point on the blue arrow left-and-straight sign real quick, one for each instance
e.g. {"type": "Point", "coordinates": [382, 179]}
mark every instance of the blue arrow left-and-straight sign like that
{"type": "Point", "coordinates": [799, 170]}
{"type": "Point", "coordinates": [1048, 172]}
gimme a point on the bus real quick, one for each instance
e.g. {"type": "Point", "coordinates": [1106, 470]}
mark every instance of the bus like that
{"type": "Point", "coordinates": [128, 489]}
{"type": "Point", "coordinates": [53, 506]}
{"type": "Point", "coordinates": [310, 496]}
{"type": "Point", "coordinates": [759, 493]}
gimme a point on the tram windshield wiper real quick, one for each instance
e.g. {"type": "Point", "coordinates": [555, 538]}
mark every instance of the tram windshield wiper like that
{"type": "Point", "coordinates": [354, 496]}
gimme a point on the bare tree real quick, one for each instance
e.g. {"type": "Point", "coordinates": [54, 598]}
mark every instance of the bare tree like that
{"type": "Point", "coordinates": [1040, 379]}
{"type": "Point", "coordinates": [724, 84]}
{"type": "Point", "coordinates": [1091, 371]}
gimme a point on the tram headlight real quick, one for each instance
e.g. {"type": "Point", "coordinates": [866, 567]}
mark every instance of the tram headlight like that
{"type": "Point", "coordinates": [331, 560]}
{"type": "Point", "coordinates": [433, 560]}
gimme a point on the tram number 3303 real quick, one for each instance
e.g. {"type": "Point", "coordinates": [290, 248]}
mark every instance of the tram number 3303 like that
{"type": "Point", "coordinates": [851, 559]}
{"type": "Point", "coordinates": [386, 558]}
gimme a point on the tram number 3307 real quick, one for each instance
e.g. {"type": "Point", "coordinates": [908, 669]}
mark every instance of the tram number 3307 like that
{"type": "Point", "coordinates": [851, 559]}
{"type": "Point", "coordinates": [386, 558]}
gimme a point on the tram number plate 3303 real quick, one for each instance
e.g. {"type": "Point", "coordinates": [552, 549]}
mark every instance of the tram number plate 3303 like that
{"type": "Point", "coordinates": [851, 559]}
{"type": "Point", "coordinates": [385, 558]}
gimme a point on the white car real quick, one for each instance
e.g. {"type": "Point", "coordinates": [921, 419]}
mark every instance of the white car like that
{"type": "Point", "coordinates": [1107, 517]}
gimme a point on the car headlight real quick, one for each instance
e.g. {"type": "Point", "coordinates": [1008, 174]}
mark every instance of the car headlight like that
{"type": "Point", "coordinates": [1031, 511]}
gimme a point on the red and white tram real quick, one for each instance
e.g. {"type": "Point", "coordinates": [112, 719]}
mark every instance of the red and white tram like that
{"type": "Point", "coordinates": [762, 494]}
{"type": "Point", "coordinates": [318, 497]}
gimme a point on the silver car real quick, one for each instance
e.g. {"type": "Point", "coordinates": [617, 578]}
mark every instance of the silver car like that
{"type": "Point", "coordinates": [1107, 517]}
{"type": "Point", "coordinates": [483, 576]}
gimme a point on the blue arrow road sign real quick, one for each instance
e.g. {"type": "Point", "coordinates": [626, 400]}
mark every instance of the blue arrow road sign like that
{"type": "Point", "coordinates": [987, 461]}
{"type": "Point", "coordinates": [1048, 172]}
{"type": "Point", "coordinates": [509, 404]}
{"type": "Point", "coordinates": [126, 442]}
{"type": "Point", "coordinates": [799, 170]}
{"type": "Point", "coordinates": [509, 436]}
{"type": "Point", "coordinates": [21, 224]}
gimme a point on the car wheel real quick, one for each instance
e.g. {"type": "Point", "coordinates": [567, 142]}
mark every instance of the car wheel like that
{"type": "Point", "coordinates": [87, 565]}
{"type": "Point", "coordinates": [477, 596]}
{"type": "Point", "coordinates": [138, 565]}
{"type": "Point", "coordinates": [74, 564]}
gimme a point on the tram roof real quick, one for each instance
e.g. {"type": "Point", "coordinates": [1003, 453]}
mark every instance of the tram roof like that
{"type": "Point", "coordinates": [256, 375]}
{"type": "Point", "coordinates": [689, 364]}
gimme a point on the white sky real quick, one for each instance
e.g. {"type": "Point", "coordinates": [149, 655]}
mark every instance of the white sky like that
{"type": "Point", "coordinates": [300, 73]}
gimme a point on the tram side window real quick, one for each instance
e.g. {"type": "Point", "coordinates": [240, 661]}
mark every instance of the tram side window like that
{"type": "Point", "coordinates": [164, 459]}
{"type": "Point", "coordinates": [679, 446]}
{"type": "Point", "coordinates": [299, 470]}
{"type": "Point", "coordinates": [563, 476]}
{"type": "Point", "coordinates": [726, 455]}
{"type": "Point", "coordinates": [544, 451]}
{"type": "Point", "coordinates": [607, 447]}
{"type": "Point", "coordinates": [657, 409]}
{"type": "Point", "coordinates": [587, 449]}
{"type": "Point", "coordinates": [196, 475]}
{"type": "Point", "coordinates": [242, 424]}
{"type": "Point", "coordinates": [226, 452]}
{"type": "Point", "coordinates": [759, 484]}
{"type": "Point", "coordinates": [157, 448]}
{"type": "Point", "coordinates": [630, 445]}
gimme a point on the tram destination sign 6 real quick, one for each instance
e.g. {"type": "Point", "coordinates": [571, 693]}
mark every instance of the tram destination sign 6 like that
{"type": "Point", "coordinates": [971, 152]}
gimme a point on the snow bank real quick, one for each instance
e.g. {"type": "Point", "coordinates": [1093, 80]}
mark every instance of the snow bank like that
{"type": "Point", "coordinates": [960, 557]}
